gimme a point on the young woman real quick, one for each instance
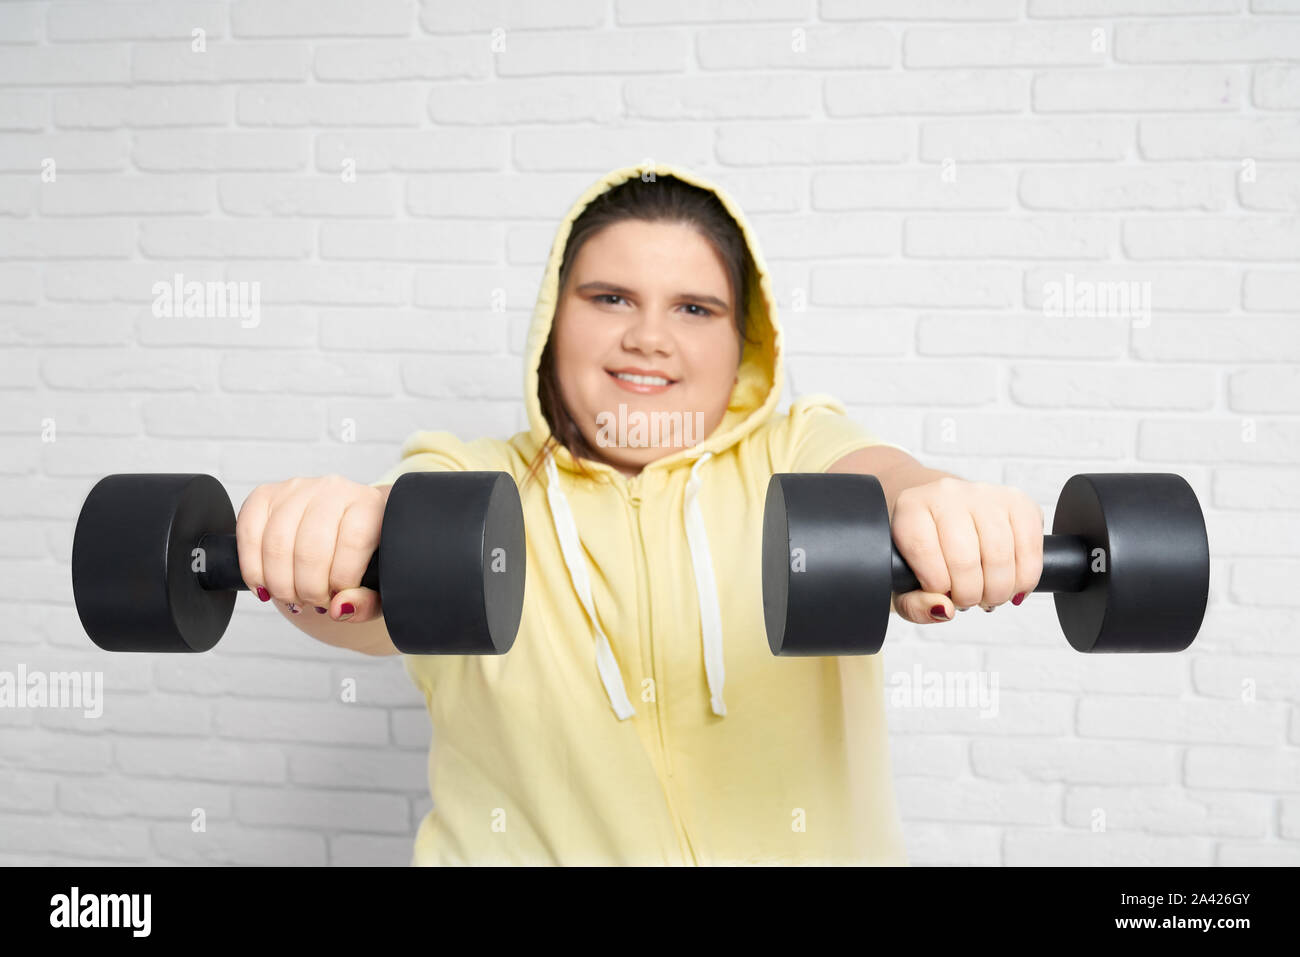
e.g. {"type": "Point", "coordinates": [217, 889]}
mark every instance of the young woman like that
{"type": "Point", "coordinates": [640, 717]}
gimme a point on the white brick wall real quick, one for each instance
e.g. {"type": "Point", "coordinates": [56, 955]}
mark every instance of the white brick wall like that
{"type": "Point", "coordinates": [919, 173]}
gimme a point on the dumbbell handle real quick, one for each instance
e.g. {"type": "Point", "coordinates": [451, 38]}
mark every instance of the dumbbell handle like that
{"type": "Point", "coordinates": [1066, 564]}
{"type": "Point", "coordinates": [221, 556]}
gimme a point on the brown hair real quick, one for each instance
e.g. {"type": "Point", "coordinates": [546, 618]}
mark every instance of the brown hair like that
{"type": "Point", "coordinates": [665, 199]}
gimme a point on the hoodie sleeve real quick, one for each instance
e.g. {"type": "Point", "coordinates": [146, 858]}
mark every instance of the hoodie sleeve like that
{"type": "Point", "coordinates": [815, 434]}
{"type": "Point", "coordinates": [434, 452]}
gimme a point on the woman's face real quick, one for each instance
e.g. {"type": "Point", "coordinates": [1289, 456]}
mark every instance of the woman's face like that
{"type": "Point", "coordinates": [645, 321]}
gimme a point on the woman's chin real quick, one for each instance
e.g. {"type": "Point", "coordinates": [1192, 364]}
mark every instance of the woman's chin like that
{"type": "Point", "coordinates": [633, 459]}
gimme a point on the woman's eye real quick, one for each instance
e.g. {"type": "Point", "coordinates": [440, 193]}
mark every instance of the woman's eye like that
{"type": "Point", "coordinates": [613, 298]}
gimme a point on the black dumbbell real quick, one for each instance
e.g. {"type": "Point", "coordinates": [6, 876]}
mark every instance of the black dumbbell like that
{"type": "Point", "coordinates": [1128, 563]}
{"type": "Point", "coordinates": [155, 565]}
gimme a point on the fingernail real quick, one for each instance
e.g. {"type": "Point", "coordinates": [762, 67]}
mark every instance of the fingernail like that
{"type": "Point", "coordinates": [263, 594]}
{"type": "Point", "coordinates": [1018, 599]}
{"type": "Point", "coordinates": [986, 608]}
{"type": "Point", "coordinates": [939, 613]}
{"type": "Point", "coordinates": [294, 608]}
{"type": "Point", "coordinates": [320, 610]}
{"type": "Point", "coordinates": [346, 610]}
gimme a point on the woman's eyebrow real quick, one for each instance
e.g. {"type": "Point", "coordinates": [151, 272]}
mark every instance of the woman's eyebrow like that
{"type": "Point", "coordinates": [609, 287]}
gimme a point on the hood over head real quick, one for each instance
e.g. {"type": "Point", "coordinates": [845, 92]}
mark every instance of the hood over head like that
{"type": "Point", "coordinates": [757, 392]}
{"type": "Point", "coordinates": [754, 397]}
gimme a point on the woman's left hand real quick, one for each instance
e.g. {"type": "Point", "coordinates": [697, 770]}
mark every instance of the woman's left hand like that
{"type": "Point", "coordinates": [968, 543]}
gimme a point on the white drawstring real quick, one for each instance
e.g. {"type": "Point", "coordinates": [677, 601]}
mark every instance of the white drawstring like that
{"type": "Point", "coordinates": [705, 589]}
{"type": "Point", "coordinates": [571, 549]}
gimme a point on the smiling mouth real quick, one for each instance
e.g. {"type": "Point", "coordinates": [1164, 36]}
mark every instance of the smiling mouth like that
{"type": "Point", "coordinates": [641, 379]}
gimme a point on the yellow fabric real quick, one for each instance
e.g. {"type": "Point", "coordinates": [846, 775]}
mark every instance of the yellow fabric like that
{"type": "Point", "coordinates": [529, 764]}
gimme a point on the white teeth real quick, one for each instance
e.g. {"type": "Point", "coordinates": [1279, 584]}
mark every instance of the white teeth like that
{"type": "Point", "coordinates": [641, 379]}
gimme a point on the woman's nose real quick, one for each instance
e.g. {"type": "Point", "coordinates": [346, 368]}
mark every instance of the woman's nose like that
{"type": "Point", "coordinates": [647, 332]}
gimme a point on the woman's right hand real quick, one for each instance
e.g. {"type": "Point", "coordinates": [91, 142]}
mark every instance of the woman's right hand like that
{"type": "Point", "coordinates": [307, 542]}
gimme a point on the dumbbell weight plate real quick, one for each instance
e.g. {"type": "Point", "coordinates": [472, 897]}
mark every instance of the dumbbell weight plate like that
{"type": "Point", "coordinates": [452, 562]}
{"type": "Point", "coordinates": [1150, 577]}
{"type": "Point", "coordinates": [132, 555]}
{"type": "Point", "coordinates": [826, 564]}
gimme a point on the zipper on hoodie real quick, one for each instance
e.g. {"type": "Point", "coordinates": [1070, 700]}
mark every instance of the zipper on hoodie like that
{"type": "Point", "coordinates": [633, 491]}
{"type": "Point", "coordinates": [632, 488]}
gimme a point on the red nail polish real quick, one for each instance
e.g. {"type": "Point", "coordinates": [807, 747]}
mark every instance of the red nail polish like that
{"type": "Point", "coordinates": [263, 594]}
{"type": "Point", "coordinates": [320, 610]}
{"type": "Point", "coordinates": [939, 613]}
{"type": "Point", "coordinates": [1018, 598]}
{"type": "Point", "coordinates": [346, 609]}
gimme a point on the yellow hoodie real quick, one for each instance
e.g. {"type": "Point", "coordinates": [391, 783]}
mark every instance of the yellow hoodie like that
{"type": "Point", "coordinates": [603, 736]}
